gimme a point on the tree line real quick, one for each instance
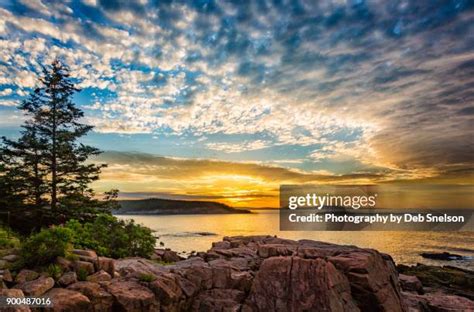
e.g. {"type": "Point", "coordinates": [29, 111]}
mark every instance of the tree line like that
{"type": "Point", "coordinates": [45, 174]}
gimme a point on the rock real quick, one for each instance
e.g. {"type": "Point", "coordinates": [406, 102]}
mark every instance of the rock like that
{"type": "Point", "coordinates": [89, 259]}
{"type": "Point", "coordinates": [3, 264]}
{"type": "Point", "coordinates": [221, 273]}
{"type": "Point", "coordinates": [241, 280]}
{"type": "Point", "coordinates": [273, 250]}
{"type": "Point", "coordinates": [83, 266]}
{"type": "Point", "coordinates": [167, 290]}
{"type": "Point", "coordinates": [437, 302]}
{"type": "Point", "coordinates": [415, 302]}
{"type": "Point", "coordinates": [167, 255]}
{"type": "Point", "coordinates": [219, 300]}
{"type": "Point", "coordinates": [189, 289]}
{"type": "Point", "coordinates": [410, 283]}
{"type": "Point", "coordinates": [64, 263]}
{"type": "Point", "coordinates": [159, 252]}
{"type": "Point", "coordinates": [86, 256]}
{"type": "Point", "coordinates": [100, 276]}
{"type": "Point", "coordinates": [132, 297]}
{"type": "Point", "coordinates": [99, 298]}
{"type": "Point", "coordinates": [374, 282]}
{"type": "Point", "coordinates": [266, 273]}
{"type": "Point", "coordinates": [321, 276]}
{"type": "Point", "coordinates": [449, 280]}
{"type": "Point", "coordinates": [135, 266]}
{"type": "Point", "coordinates": [106, 264]}
{"type": "Point", "coordinates": [6, 276]}
{"type": "Point", "coordinates": [26, 276]}
{"type": "Point", "coordinates": [11, 258]}
{"type": "Point", "coordinates": [221, 245]}
{"type": "Point", "coordinates": [441, 256]}
{"type": "Point", "coordinates": [283, 284]}
{"type": "Point", "coordinates": [239, 252]}
{"type": "Point", "coordinates": [66, 300]}
{"type": "Point", "coordinates": [36, 287]}
{"type": "Point", "coordinates": [85, 253]}
{"type": "Point", "coordinates": [196, 272]}
{"type": "Point", "coordinates": [68, 278]}
{"type": "Point", "coordinates": [371, 276]}
{"type": "Point", "coordinates": [14, 293]}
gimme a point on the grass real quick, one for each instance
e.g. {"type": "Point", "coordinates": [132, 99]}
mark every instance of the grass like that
{"type": "Point", "coordinates": [147, 278]}
{"type": "Point", "coordinates": [161, 262]}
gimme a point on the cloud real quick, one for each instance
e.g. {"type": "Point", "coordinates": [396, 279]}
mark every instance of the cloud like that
{"type": "Point", "coordinates": [10, 119]}
{"type": "Point", "coordinates": [6, 92]}
{"type": "Point", "coordinates": [147, 165]}
{"type": "Point", "coordinates": [235, 183]}
{"type": "Point", "coordinates": [398, 74]}
{"type": "Point", "coordinates": [239, 147]}
{"type": "Point", "coordinates": [37, 5]}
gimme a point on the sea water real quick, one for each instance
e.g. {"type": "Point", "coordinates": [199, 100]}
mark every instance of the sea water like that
{"type": "Point", "coordinates": [187, 233]}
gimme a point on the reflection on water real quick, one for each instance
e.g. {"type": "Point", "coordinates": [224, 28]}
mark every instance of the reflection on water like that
{"type": "Point", "coordinates": [197, 232]}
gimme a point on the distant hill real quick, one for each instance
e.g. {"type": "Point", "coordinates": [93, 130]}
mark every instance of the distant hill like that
{"type": "Point", "coordinates": [157, 206]}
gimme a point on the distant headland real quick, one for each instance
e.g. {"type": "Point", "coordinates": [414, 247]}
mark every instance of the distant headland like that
{"type": "Point", "coordinates": [158, 206]}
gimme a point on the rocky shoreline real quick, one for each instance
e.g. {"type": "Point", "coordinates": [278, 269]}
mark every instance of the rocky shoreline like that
{"type": "Point", "coordinates": [254, 273]}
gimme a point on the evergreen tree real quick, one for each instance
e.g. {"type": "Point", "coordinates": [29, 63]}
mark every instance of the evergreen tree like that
{"type": "Point", "coordinates": [11, 185]}
{"type": "Point", "coordinates": [22, 163]}
{"type": "Point", "coordinates": [57, 122]}
{"type": "Point", "coordinates": [48, 160]}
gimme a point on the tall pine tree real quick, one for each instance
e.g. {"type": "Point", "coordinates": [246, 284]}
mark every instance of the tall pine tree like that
{"type": "Point", "coordinates": [54, 160]}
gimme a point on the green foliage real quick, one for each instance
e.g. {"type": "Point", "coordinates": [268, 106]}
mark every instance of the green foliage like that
{"type": "Point", "coordinates": [54, 271]}
{"type": "Point", "coordinates": [72, 257]}
{"type": "Point", "coordinates": [82, 274]}
{"type": "Point", "coordinates": [55, 122]}
{"type": "Point", "coordinates": [23, 168]}
{"type": "Point", "coordinates": [107, 235]}
{"type": "Point", "coordinates": [8, 239]}
{"type": "Point", "coordinates": [147, 278]}
{"type": "Point", "coordinates": [12, 193]}
{"type": "Point", "coordinates": [42, 248]}
{"type": "Point", "coordinates": [111, 237]}
{"type": "Point", "coordinates": [48, 165]}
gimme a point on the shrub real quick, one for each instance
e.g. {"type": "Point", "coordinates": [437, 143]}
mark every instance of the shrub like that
{"type": "Point", "coordinates": [82, 274]}
{"type": "Point", "coordinates": [112, 237]}
{"type": "Point", "coordinates": [8, 239]}
{"type": "Point", "coordinates": [43, 247]}
{"type": "Point", "coordinates": [147, 278]}
{"type": "Point", "coordinates": [54, 271]}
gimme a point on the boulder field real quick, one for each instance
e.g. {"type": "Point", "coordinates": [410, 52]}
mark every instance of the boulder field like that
{"type": "Point", "coordinates": [245, 273]}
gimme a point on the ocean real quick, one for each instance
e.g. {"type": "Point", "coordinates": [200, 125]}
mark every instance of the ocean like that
{"type": "Point", "coordinates": [187, 233]}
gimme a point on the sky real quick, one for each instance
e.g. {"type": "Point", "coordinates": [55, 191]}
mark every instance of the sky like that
{"type": "Point", "coordinates": [227, 100]}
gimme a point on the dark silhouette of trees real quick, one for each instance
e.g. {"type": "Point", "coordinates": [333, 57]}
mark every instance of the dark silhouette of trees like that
{"type": "Point", "coordinates": [22, 163]}
{"type": "Point", "coordinates": [48, 166]}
